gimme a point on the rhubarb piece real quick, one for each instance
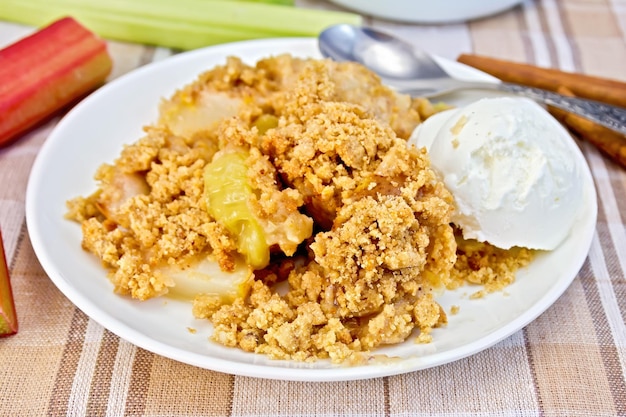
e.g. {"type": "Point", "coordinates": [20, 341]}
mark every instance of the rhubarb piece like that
{"type": "Point", "coordinates": [8, 318]}
{"type": "Point", "coordinates": [228, 192]}
{"type": "Point", "coordinates": [46, 71]}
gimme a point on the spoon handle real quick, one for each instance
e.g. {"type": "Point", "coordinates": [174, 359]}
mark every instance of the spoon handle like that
{"type": "Point", "coordinates": [609, 116]}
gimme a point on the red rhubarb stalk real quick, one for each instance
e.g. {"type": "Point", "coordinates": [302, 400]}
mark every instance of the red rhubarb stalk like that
{"type": "Point", "coordinates": [8, 318]}
{"type": "Point", "coordinates": [47, 71]}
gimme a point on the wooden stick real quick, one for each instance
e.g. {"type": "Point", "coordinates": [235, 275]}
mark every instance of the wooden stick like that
{"type": "Point", "coordinates": [608, 141]}
{"type": "Point", "coordinates": [586, 86]}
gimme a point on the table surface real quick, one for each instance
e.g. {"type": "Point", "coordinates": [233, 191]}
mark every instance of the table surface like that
{"type": "Point", "coordinates": [570, 361]}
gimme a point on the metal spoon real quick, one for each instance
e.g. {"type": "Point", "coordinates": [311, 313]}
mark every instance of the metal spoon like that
{"type": "Point", "coordinates": [415, 72]}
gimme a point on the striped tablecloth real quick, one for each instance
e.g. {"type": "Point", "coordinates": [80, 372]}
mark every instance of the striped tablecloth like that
{"type": "Point", "coordinates": [571, 361]}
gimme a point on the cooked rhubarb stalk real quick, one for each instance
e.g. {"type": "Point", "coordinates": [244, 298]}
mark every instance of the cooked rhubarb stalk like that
{"type": "Point", "coordinates": [46, 71]}
{"type": "Point", "coordinates": [8, 318]}
{"type": "Point", "coordinates": [228, 192]}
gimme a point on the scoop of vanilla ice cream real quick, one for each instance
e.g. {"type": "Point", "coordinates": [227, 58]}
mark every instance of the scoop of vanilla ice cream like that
{"type": "Point", "coordinates": [510, 168]}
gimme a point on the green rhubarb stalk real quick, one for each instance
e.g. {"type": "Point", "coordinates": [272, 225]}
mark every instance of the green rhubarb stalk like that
{"type": "Point", "coordinates": [139, 30]}
{"type": "Point", "coordinates": [184, 24]}
{"type": "Point", "coordinates": [261, 17]}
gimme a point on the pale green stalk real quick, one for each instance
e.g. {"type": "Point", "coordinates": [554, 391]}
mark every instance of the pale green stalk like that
{"type": "Point", "coordinates": [183, 24]}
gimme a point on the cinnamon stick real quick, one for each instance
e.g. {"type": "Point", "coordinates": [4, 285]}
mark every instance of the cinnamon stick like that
{"type": "Point", "coordinates": [585, 86]}
{"type": "Point", "coordinates": [606, 140]}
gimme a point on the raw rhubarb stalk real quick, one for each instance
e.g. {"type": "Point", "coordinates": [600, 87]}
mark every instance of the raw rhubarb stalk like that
{"type": "Point", "coordinates": [8, 318]}
{"type": "Point", "coordinates": [46, 71]}
{"type": "Point", "coordinates": [180, 24]}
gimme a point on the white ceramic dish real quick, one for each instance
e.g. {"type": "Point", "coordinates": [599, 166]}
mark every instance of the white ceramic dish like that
{"type": "Point", "coordinates": [95, 131]}
{"type": "Point", "coordinates": [428, 11]}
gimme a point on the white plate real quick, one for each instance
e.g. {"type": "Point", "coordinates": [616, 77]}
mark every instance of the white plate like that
{"type": "Point", "coordinates": [429, 11]}
{"type": "Point", "coordinates": [95, 131]}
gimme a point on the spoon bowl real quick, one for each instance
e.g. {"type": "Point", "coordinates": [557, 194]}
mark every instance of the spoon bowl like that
{"type": "Point", "coordinates": [384, 54]}
{"type": "Point", "coordinates": [411, 71]}
{"type": "Point", "coordinates": [399, 65]}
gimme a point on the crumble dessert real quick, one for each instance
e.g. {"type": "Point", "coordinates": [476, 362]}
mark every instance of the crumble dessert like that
{"type": "Point", "coordinates": [289, 188]}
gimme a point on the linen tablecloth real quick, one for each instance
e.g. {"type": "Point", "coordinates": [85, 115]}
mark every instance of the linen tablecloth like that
{"type": "Point", "coordinates": [571, 361]}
